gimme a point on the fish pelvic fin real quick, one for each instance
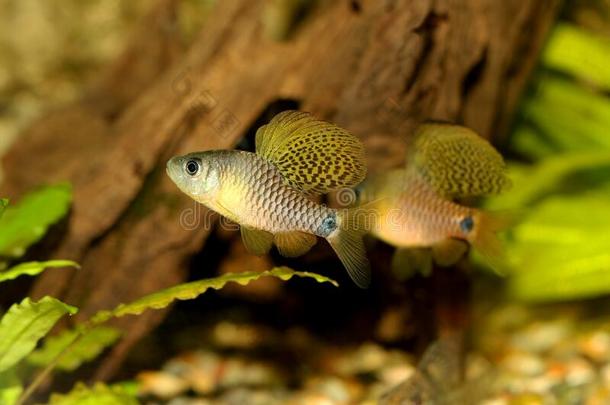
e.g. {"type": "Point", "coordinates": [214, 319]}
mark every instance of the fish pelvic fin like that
{"type": "Point", "coordinates": [448, 252]}
{"type": "Point", "coordinates": [406, 262]}
{"type": "Point", "coordinates": [347, 242]}
{"type": "Point", "coordinates": [485, 238]}
{"type": "Point", "coordinates": [257, 242]}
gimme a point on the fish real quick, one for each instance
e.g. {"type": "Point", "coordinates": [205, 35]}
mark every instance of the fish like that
{"type": "Point", "coordinates": [418, 208]}
{"type": "Point", "coordinates": [269, 192]}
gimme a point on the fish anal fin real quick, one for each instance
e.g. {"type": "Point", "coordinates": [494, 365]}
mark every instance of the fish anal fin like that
{"type": "Point", "coordinates": [406, 262]}
{"type": "Point", "coordinates": [313, 156]}
{"type": "Point", "coordinates": [449, 252]}
{"type": "Point", "coordinates": [293, 244]}
{"type": "Point", "coordinates": [257, 241]}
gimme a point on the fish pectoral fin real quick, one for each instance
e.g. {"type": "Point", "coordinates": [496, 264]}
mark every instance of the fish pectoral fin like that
{"type": "Point", "coordinates": [449, 251]}
{"type": "Point", "coordinates": [257, 242]}
{"type": "Point", "coordinates": [407, 262]}
{"type": "Point", "coordinates": [293, 244]}
{"type": "Point", "coordinates": [313, 156]}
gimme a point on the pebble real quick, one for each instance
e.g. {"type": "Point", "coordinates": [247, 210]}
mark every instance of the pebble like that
{"type": "Point", "coordinates": [160, 384]}
{"type": "Point", "coordinates": [541, 336]}
{"type": "Point", "coordinates": [579, 372]}
{"type": "Point", "coordinates": [596, 346]}
{"type": "Point", "coordinates": [525, 364]}
{"type": "Point", "coordinates": [544, 361]}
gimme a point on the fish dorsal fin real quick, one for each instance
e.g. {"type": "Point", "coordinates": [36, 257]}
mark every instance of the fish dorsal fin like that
{"type": "Point", "coordinates": [314, 156]}
{"type": "Point", "coordinates": [456, 162]}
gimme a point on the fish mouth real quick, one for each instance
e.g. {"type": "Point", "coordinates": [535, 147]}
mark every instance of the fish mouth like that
{"type": "Point", "coordinates": [171, 168]}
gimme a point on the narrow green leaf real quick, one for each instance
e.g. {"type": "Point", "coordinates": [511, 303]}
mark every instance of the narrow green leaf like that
{"type": "Point", "coordinates": [99, 394]}
{"type": "Point", "coordinates": [26, 223]}
{"type": "Point", "coordinates": [10, 387]}
{"type": "Point", "coordinates": [3, 204]}
{"type": "Point", "coordinates": [187, 291]}
{"type": "Point", "coordinates": [85, 349]}
{"type": "Point", "coordinates": [25, 324]}
{"type": "Point", "coordinates": [531, 183]}
{"type": "Point", "coordinates": [33, 268]}
{"type": "Point", "coordinates": [527, 142]}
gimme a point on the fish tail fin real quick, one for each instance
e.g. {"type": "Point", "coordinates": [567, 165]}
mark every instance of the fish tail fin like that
{"type": "Point", "coordinates": [485, 238]}
{"type": "Point", "coordinates": [347, 242]}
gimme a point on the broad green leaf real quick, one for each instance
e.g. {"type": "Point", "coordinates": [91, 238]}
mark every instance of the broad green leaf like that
{"type": "Point", "coordinates": [561, 250]}
{"type": "Point", "coordinates": [571, 116]}
{"type": "Point", "coordinates": [187, 291]}
{"type": "Point", "coordinates": [10, 387]}
{"type": "Point", "coordinates": [85, 348]}
{"type": "Point", "coordinates": [575, 51]}
{"type": "Point", "coordinates": [578, 276]}
{"type": "Point", "coordinates": [25, 223]}
{"type": "Point", "coordinates": [33, 268]}
{"type": "Point", "coordinates": [99, 394]}
{"type": "Point", "coordinates": [24, 324]}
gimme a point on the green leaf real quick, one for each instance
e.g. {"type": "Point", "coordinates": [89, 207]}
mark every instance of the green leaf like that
{"type": "Point", "coordinates": [10, 387]}
{"type": "Point", "coordinates": [33, 268]}
{"type": "Point", "coordinates": [580, 53]}
{"type": "Point", "coordinates": [99, 394]}
{"type": "Point", "coordinates": [3, 204]}
{"type": "Point", "coordinates": [85, 349]}
{"type": "Point", "coordinates": [560, 253]}
{"type": "Point", "coordinates": [532, 183]}
{"type": "Point", "coordinates": [572, 117]}
{"type": "Point", "coordinates": [25, 324]}
{"type": "Point", "coordinates": [26, 223]}
{"type": "Point", "coordinates": [187, 291]}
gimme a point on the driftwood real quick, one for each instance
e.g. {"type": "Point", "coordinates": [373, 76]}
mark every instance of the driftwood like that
{"type": "Point", "coordinates": [374, 67]}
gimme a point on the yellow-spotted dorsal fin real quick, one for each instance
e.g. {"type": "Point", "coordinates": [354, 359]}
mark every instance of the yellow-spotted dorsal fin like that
{"type": "Point", "coordinates": [312, 155]}
{"type": "Point", "coordinates": [456, 162]}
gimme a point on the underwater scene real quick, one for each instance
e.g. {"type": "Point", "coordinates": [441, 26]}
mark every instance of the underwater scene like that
{"type": "Point", "coordinates": [300, 202]}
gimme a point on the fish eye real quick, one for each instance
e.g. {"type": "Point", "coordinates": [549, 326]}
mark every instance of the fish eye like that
{"type": "Point", "coordinates": [192, 167]}
{"type": "Point", "coordinates": [466, 224]}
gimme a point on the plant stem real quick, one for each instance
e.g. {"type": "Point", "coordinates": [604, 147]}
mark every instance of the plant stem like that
{"type": "Point", "coordinates": [41, 376]}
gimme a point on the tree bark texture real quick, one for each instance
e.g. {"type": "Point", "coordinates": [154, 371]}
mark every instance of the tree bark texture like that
{"type": "Point", "coordinates": [374, 67]}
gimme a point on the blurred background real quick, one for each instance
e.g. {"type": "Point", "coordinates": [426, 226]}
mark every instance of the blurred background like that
{"type": "Point", "coordinates": [95, 96]}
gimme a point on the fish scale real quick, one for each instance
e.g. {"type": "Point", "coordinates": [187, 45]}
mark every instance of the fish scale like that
{"type": "Point", "coordinates": [269, 203]}
{"type": "Point", "coordinates": [420, 217]}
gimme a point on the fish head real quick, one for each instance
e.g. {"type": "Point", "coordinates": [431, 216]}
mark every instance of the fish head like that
{"type": "Point", "coordinates": [195, 174]}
